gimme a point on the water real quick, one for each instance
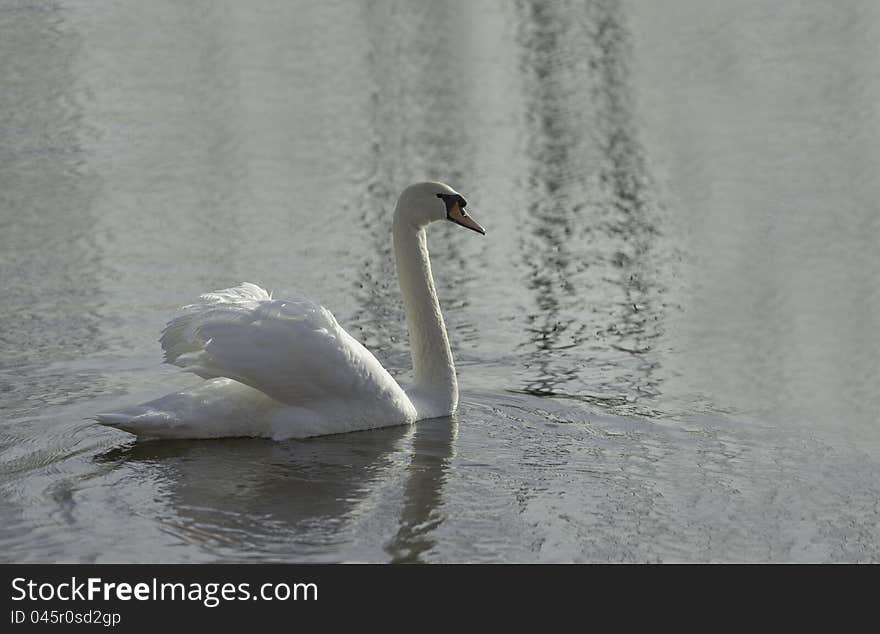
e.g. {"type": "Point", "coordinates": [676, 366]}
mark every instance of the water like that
{"type": "Point", "coordinates": [666, 342]}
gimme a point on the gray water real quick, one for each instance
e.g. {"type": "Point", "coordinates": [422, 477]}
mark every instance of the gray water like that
{"type": "Point", "coordinates": [666, 342]}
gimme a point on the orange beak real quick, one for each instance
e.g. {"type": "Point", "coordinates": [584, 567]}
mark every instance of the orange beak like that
{"type": "Point", "coordinates": [458, 215]}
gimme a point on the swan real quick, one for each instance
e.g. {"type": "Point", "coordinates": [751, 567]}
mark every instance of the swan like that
{"type": "Point", "coordinates": [284, 368]}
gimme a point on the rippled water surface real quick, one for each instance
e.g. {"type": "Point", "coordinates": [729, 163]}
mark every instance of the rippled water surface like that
{"type": "Point", "coordinates": [667, 341]}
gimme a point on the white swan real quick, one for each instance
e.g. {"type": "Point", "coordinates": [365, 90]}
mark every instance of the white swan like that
{"type": "Point", "coordinates": [286, 369]}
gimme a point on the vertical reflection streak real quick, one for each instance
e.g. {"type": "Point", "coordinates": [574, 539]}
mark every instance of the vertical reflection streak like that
{"type": "Point", "coordinates": [432, 451]}
{"type": "Point", "coordinates": [590, 248]}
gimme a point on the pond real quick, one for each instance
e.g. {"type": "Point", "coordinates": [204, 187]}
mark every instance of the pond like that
{"type": "Point", "coordinates": [666, 342]}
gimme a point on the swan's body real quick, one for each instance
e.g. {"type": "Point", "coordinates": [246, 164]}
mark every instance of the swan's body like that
{"type": "Point", "coordinates": [286, 369]}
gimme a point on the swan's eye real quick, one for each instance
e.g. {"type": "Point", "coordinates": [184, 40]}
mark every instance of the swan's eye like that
{"type": "Point", "coordinates": [454, 204]}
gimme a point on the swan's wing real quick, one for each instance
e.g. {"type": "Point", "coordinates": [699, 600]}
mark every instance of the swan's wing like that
{"type": "Point", "coordinates": [293, 350]}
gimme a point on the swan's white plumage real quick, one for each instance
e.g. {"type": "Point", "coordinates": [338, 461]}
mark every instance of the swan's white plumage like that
{"type": "Point", "coordinates": [302, 373]}
{"type": "Point", "coordinates": [292, 350]}
{"type": "Point", "coordinates": [286, 369]}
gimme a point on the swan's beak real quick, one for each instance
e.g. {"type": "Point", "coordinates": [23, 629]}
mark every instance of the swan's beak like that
{"type": "Point", "coordinates": [457, 215]}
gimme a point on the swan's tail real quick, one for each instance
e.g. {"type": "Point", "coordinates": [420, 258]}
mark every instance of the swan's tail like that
{"type": "Point", "coordinates": [213, 409]}
{"type": "Point", "coordinates": [145, 423]}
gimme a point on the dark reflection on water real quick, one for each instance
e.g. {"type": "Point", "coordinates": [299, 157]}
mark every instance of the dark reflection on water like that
{"type": "Point", "coordinates": [625, 186]}
{"type": "Point", "coordinates": [432, 448]}
{"type": "Point", "coordinates": [592, 228]}
{"type": "Point", "coordinates": [549, 255]}
{"type": "Point", "coordinates": [244, 498]}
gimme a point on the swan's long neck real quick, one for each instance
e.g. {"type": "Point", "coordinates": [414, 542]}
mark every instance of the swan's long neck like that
{"type": "Point", "coordinates": [435, 392]}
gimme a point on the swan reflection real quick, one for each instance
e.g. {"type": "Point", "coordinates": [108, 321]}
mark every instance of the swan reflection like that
{"type": "Point", "coordinates": [255, 499]}
{"type": "Point", "coordinates": [432, 451]}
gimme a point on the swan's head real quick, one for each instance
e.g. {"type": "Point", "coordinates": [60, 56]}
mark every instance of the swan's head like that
{"type": "Point", "coordinates": [423, 203]}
